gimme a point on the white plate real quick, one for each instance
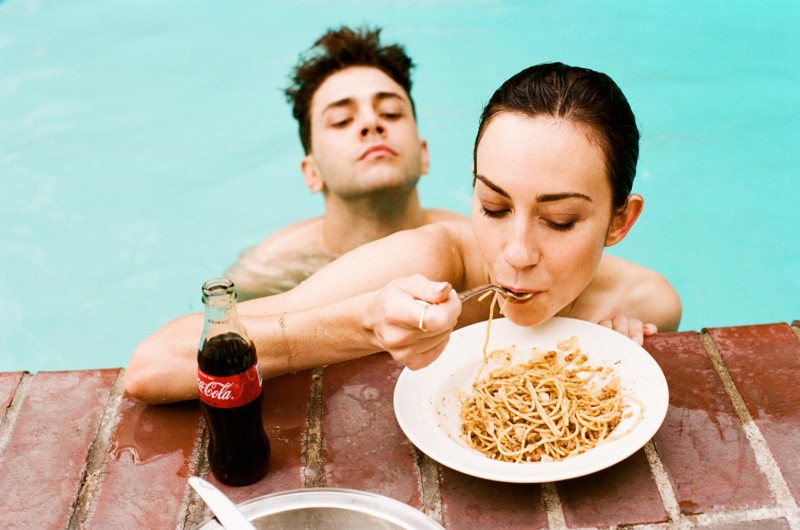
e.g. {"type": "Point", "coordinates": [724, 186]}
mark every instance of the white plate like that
{"type": "Point", "coordinates": [427, 406]}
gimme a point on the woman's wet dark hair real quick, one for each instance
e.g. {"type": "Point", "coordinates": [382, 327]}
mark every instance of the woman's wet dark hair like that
{"type": "Point", "coordinates": [582, 96]}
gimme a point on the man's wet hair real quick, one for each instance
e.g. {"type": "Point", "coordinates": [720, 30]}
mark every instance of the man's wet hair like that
{"type": "Point", "coordinates": [337, 50]}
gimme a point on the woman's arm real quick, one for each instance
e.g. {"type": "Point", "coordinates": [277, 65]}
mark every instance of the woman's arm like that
{"type": "Point", "coordinates": [351, 308]}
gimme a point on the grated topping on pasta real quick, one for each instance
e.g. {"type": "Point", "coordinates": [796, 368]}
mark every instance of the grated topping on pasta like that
{"type": "Point", "coordinates": [550, 408]}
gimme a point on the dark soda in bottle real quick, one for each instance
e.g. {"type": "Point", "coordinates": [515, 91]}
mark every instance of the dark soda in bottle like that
{"type": "Point", "coordinates": [230, 390]}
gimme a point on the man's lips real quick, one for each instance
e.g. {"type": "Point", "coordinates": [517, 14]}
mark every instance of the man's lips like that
{"type": "Point", "coordinates": [376, 151]}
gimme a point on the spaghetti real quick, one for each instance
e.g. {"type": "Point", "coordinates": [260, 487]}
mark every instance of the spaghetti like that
{"type": "Point", "coordinates": [546, 409]}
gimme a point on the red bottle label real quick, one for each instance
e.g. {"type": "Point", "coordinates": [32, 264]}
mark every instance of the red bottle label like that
{"type": "Point", "coordinates": [227, 392]}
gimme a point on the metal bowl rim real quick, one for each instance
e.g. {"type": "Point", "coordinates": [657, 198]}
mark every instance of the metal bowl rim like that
{"type": "Point", "coordinates": [374, 504]}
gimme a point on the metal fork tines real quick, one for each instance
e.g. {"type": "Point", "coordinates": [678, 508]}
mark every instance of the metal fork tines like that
{"type": "Point", "coordinates": [475, 291]}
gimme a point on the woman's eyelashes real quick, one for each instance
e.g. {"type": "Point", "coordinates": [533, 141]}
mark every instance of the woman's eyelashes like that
{"type": "Point", "coordinates": [494, 213]}
{"type": "Point", "coordinates": [559, 226]}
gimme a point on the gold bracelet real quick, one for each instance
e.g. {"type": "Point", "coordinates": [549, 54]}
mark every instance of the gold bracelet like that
{"type": "Point", "coordinates": [282, 322]}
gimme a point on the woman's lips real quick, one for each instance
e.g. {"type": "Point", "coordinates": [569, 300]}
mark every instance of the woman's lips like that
{"type": "Point", "coordinates": [526, 295]}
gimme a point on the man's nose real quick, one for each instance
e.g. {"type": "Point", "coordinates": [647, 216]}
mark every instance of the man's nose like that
{"type": "Point", "coordinates": [371, 124]}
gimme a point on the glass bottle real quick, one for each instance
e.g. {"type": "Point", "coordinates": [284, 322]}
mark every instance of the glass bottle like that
{"type": "Point", "coordinates": [231, 391]}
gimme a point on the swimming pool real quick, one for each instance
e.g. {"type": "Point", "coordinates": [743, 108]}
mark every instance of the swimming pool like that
{"type": "Point", "coordinates": [143, 144]}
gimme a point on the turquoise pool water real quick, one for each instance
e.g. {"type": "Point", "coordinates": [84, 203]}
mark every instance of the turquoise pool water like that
{"type": "Point", "coordinates": [144, 143]}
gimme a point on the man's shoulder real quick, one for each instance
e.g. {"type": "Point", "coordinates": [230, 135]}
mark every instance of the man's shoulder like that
{"type": "Point", "coordinates": [296, 237]}
{"type": "Point", "coordinates": [281, 261]}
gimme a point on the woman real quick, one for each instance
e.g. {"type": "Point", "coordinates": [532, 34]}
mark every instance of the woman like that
{"type": "Point", "coordinates": [554, 162]}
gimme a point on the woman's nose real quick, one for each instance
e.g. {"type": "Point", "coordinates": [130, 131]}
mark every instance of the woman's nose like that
{"type": "Point", "coordinates": [522, 251]}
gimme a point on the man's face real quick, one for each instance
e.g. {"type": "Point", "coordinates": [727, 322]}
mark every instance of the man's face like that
{"type": "Point", "coordinates": [364, 136]}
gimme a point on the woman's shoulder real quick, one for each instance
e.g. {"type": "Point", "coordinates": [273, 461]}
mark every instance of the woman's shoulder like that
{"type": "Point", "coordinates": [456, 236]}
{"type": "Point", "coordinates": [443, 251]}
{"type": "Point", "coordinates": [639, 292]}
{"type": "Point", "coordinates": [449, 232]}
{"type": "Point", "coordinates": [437, 216]}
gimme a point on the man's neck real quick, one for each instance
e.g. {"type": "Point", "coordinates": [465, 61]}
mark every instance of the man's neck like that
{"type": "Point", "coordinates": [350, 224]}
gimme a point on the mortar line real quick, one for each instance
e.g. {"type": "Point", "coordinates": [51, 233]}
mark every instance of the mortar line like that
{"type": "Point", "coordinates": [193, 507]}
{"type": "Point", "coordinates": [429, 486]}
{"type": "Point", "coordinates": [664, 485]}
{"type": "Point", "coordinates": [92, 474]}
{"type": "Point", "coordinates": [12, 412]}
{"type": "Point", "coordinates": [314, 466]}
{"type": "Point", "coordinates": [553, 507]}
{"type": "Point", "coordinates": [743, 516]}
{"type": "Point", "coordinates": [764, 457]}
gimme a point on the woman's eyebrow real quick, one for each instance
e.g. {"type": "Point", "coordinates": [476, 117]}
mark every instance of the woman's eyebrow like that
{"type": "Point", "coordinates": [545, 197]}
{"type": "Point", "coordinates": [550, 197]}
{"type": "Point", "coordinates": [491, 185]}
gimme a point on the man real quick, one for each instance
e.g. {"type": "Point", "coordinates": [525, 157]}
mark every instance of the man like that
{"type": "Point", "coordinates": [352, 99]}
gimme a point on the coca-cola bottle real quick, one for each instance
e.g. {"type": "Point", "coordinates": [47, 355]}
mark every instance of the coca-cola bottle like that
{"type": "Point", "coordinates": [230, 390]}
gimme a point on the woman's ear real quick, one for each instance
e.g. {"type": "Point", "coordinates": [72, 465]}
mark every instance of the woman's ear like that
{"type": "Point", "coordinates": [311, 174]}
{"type": "Point", "coordinates": [623, 219]}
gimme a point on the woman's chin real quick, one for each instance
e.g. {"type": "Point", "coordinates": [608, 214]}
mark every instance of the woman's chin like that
{"type": "Point", "coordinates": [526, 319]}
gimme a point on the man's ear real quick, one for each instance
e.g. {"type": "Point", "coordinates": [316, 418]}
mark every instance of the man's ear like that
{"type": "Point", "coordinates": [425, 157]}
{"type": "Point", "coordinates": [623, 219]}
{"type": "Point", "coordinates": [311, 174]}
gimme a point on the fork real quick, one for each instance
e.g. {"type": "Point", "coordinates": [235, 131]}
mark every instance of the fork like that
{"type": "Point", "coordinates": [475, 291]}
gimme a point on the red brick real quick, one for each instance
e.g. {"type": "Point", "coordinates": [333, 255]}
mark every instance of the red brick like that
{"type": "Point", "coordinates": [469, 502]}
{"type": "Point", "coordinates": [285, 420]}
{"type": "Point", "coordinates": [624, 494]}
{"type": "Point", "coordinates": [764, 363]}
{"type": "Point", "coordinates": [365, 448]}
{"type": "Point", "coordinates": [147, 466]}
{"type": "Point", "coordinates": [702, 443]}
{"type": "Point", "coordinates": [41, 470]}
{"type": "Point", "coordinates": [8, 387]}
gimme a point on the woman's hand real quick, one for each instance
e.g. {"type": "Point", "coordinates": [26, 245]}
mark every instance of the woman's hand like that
{"type": "Point", "coordinates": [413, 319]}
{"type": "Point", "coordinates": [633, 328]}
